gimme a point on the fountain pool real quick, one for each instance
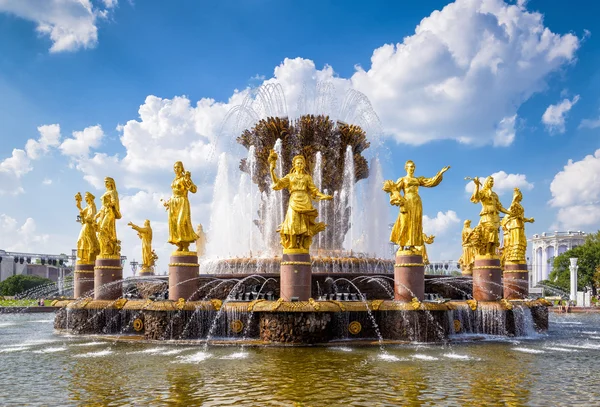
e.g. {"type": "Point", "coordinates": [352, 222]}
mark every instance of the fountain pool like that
{"type": "Point", "coordinates": [40, 367]}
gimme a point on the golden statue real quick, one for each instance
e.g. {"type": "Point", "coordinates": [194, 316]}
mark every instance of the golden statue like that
{"type": "Point", "coordinates": [467, 260]}
{"type": "Point", "coordinates": [485, 237]}
{"type": "Point", "coordinates": [181, 231]}
{"type": "Point", "coordinates": [110, 246]}
{"type": "Point", "coordinates": [408, 229]}
{"type": "Point", "coordinates": [515, 241]}
{"type": "Point", "coordinates": [148, 256]}
{"type": "Point", "coordinates": [87, 244]}
{"type": "Point", "coordinates": [423, 249]}
{"type": "Point", "coordinates": [299, 225]}
{"type": "Point", "coordinates": [201, 241]}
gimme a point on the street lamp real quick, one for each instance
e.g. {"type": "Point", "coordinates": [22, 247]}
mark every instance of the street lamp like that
{"type": "Point", "coordinates": [573, 269]}
{"type": "Point", "coordinates": [134, 266]}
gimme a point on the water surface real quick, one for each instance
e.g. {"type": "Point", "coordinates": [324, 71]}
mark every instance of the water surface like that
{"type": "Point", "coordinates": [40, 367]}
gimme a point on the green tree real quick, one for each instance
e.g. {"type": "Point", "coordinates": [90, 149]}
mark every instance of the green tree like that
{"type": "Point", "coordinates": [588, 256]}
{"type": "Point", "coordinates": [20, 283]}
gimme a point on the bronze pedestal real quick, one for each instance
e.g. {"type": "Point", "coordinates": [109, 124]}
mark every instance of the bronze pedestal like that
{"type": "Point", "coordinates": [487, 279]}
{"type": "Point", "coordinates": [409, 277]}
{"type": "Point", "coordinates": [295, 277]}
{"type": "Point", "coordinates": [83, 280]}
{"type": "Point", "coordinates": [108, 276]}
{"type": "Point", "coordinates": [516, 281]}
{"type": "Point", "coordinates": [183, 275]}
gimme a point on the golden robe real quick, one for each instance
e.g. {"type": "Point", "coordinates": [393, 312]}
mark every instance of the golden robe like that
{"type": "Point", "coordinates": [489, 221]}
{"type": "Point", "coordinates": [516, 246]}
{"type": "Point", "coordinates": [180, 218]}
{"type": "Point", "coordinates": [408, 228]}
{"type": "Point", "coordinates": [87, 244]}
{"type": "Point", "coordinates": [300, 216]}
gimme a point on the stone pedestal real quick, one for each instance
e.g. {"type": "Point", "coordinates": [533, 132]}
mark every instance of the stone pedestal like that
{"type": "Point", "coordinates": [83, 280]}
{"type": "Point", "coordinates": [515, 281]}
{"type": "Point", "coordinates": [296, 277]}
{"type": "Point", "coordinates": [183, 275]}
{"type": "Point", "coordinates": [409, 277]}
{"type": "Point", "coordinates": [146, 272]}
{"type": "Point", "coordinates": [487, 279]}
{"type": "Point", "coordinates": [108, 274]}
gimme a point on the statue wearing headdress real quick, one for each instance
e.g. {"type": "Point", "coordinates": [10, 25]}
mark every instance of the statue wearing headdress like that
{"type": "Point", "coordinates": [485, 237]}
{"type": "Point", "coordinates": [407, 231]}
{"type": "Point", "coordinates": [515, 241]}
{"type": "Point", "coordinates": [181, 231]}
{"type": "Point", "coordinates": [87, 244]}
{"type": "Point", "coordinates": [299, 225]}
{"type": "Point", "coordinates": [148, 255]}
{"type": "Point", "coordinates": [110, 246]}
{"type": "Point", "coordinates": [467, 260]}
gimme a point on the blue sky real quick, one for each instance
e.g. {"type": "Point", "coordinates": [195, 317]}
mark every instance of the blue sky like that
{"type": "Point", "coordinates": [84, 64]}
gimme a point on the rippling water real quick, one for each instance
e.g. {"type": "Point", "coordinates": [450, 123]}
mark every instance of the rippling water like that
{"type": "Point", "coordinates": [39, 367]}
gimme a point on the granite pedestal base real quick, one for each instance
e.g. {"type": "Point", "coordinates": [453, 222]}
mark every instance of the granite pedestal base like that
{"type": "Point", "coordinates": [409, 277]}
{"type": "Point", "coordinates": [515, 281]}
{"type": "Point", "coordinates": [83, 280]}
{"type": "Point", "coordinates": [183, 276]}
{"type": "Point", "coordinates": [296, 277]}
{"type": "Point", "coordinates": [487, 279]}
{"type": "Point", "coordinates": [108, 274]}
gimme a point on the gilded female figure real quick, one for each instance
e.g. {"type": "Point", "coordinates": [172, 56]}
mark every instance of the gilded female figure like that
{"type": "Point", "coordinates": [467, 260]}
{"type": "Point", "coordinates": [87, 244]}
{"type": "Point", "coordinates": [515, 246]}
{"type": "Point", "coordinates": [486, 232]}
{"type": "Point", "coordinates": [299, 225]}
{"type": "Point", "coordinates": [145, 233]}
{"type": "Point", "coordinates": [408, 229]}
{"type": "Point", "coordinates": [106, 220]}
{"type": "Point", "coordinates": [181, 231]}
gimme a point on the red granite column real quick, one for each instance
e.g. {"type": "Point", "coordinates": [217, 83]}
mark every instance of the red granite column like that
{"type": "Point", "coordinates": [83, 280]}
{"type": "Point", "coordinates": [487, 278]}
{"type": "Point", "coordinates": [183, 275]}
{"type": "Point", "coordinates": [295, 277]}
{"type": "Point", "coordinates": [108, 275]}
{"type": "Point", "coordinates": [409, 277]}
{"type": "Point", "coordinates": [515, 281]}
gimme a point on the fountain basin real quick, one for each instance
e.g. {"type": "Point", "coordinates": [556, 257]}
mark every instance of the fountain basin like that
{"type": "Point", "coordinates": [303, 322]}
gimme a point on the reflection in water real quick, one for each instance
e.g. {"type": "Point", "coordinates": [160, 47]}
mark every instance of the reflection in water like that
{"type": "Point", "coordinates": [492, 373]}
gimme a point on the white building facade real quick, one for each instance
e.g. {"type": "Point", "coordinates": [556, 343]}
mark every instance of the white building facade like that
{"type": "Point", "coordinates": [545, 247]}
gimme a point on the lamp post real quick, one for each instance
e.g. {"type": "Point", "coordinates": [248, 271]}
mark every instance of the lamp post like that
{"type": "Point", "coordinates": [134, 266]}
{"type": "Point", "coordinates": [573, 269]}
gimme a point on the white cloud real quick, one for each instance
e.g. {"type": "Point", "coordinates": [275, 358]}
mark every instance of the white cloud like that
{"type": "Point", "coordinates": [589, 123]}
{"type": "Point", "coordinates": [442, 222]}
{"type": "Point", "coordinates": [18, 163]}
{"type": "Point", "coordinates": [49, 137]}
{"type": "Point", "coordinates": [82, 141]}
{"type": "Point", "coordinates": [555, 115]}
{"type": "Point", "coordinates": [504, 182]}
{"type": "Point", "coordinates": [20, 238]}
{"type": "Point", "coordinates": [576, 192]}
{"type": "Point", "coordinates": [47, 181]}
{"type": "Point", "coordinates": [464, 73]}
{"type": "Point", "coordinates": [70, 24]}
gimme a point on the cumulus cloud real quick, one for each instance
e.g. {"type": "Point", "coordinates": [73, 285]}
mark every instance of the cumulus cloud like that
{"type": "Point", "coordinates": [576, 192]}
{"type": "Point", "coordinates": [82, 141]}
{"type": "Point", "coordinates": [49, 137]}
{"type": "Point", "coordinates": [464, 73]}
{"type": "Point", "coordinates": [504, 182]}
{"type": "Point", "coordinates": [555, 115]}
{"type": "Point", "coordinates": [442, 222]}
{"type": "Point", "coordinates": [15, 237]}
{"type": "Point", "coordinates": [70, 24]}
